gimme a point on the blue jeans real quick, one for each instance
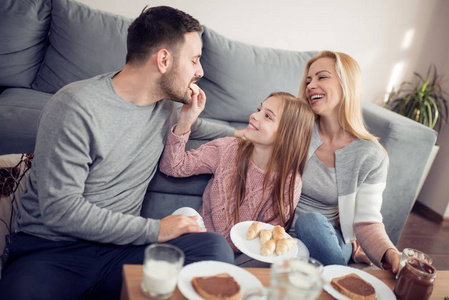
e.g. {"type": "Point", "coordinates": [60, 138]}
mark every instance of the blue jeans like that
{"type": "Point", "coordinates": [42, 269]}
{"type": "Point", "coordinates": [325, 243]}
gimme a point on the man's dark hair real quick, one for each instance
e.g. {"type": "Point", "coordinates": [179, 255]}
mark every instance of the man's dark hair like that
{"type": "Point", "coordinates": [156, 28]}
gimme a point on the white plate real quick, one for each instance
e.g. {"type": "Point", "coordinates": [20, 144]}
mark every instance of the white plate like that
{"type": "Point", "coordinates": [383, 292]}
{"type": "Point", "coordinates": [246, 280]}
{"type": "Point", "coordinates": [252, 247]}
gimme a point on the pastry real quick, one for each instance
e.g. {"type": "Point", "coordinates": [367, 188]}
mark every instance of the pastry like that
{"type": "Point", "coordinates": [195, 89]}
{"type": "Point", "coordinates": [278, 232]}
{"type": "Point", "coordinates": [284, 245]}
{"type": "Point", "coordinates": [265, 235]}
{"type": "Point", "coordinates": [254, 230]}
{"type": "Point", "coordinates": [268, 248]}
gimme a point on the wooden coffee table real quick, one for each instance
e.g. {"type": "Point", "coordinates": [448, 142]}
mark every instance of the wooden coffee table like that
{"type": "Point", "coordinates": [132, 277]}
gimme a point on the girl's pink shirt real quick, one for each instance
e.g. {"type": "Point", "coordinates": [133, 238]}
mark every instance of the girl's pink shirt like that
{"type": "Point", "coordinates": [218, 158]}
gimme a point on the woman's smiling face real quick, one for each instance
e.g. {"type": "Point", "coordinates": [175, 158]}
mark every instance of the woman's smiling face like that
{"type": "Point", "coordinates": [323, 91]}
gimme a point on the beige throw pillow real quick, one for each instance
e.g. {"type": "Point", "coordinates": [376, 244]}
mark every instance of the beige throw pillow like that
{"type": "Point", "coordinates": [14, 168]}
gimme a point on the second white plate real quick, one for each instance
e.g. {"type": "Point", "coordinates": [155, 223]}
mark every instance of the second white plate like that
{"type": "Point", "coordinates": [252, 247]}
{"type": "Point", "coordinates": [383, 292]}
{"type": "Point", "coordinates": [246, 280]}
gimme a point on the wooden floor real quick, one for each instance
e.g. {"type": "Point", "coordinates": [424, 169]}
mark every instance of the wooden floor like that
{"type": "Point", "coordinates": [423, 234]}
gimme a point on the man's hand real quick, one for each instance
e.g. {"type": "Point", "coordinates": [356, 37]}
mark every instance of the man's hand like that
{"type": "Point", "coordinates": [190, 112]}
{"type": "Point", "coordinates": [391, 260]}
{"type": "Point", "coordinates": [174, 226]}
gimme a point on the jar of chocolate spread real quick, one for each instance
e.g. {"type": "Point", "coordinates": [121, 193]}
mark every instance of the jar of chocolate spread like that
{"type": "Point", "coordinates": [415, 280]}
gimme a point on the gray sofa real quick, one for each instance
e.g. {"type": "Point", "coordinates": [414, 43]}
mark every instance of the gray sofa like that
{"type": "Point", "coordinates": [46, 44]}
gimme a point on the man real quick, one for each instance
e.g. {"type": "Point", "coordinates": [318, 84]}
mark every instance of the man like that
{"type": "Point", "coordinates": [97, 148]}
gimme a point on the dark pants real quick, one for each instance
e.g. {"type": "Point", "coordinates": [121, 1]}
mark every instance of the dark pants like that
{"type": "Point", "coordinates": [42, 269]}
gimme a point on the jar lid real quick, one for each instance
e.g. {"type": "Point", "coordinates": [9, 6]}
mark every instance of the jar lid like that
{"type": "Point", "coordinates": [420, 267]}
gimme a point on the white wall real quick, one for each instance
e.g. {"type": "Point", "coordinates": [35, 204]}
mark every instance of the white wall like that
{"type": "Point", "coordinates": [435, 191]}
{"type": "Point", "coordinates": [382, 35]}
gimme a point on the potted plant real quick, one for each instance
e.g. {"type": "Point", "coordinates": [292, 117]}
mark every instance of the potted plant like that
{"type": "Point", "coordinates": [423, 101]}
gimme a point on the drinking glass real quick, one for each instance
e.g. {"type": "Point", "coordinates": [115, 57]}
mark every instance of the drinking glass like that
{"type": "Point", "coordinates": [298, 278]}
{"type": "Point", "coordinates": [160, 270]}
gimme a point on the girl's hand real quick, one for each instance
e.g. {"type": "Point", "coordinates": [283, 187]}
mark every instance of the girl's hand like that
{"type": "Point", "coordinates": [391, 260]}
{"type": "Point", "coordinates": [190, 112]}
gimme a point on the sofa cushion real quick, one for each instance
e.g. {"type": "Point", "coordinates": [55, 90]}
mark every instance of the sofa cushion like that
{"type": "Point", "coordinates": [158, 205]}
{"type": "Point", "coordinates": [193, 185]}
{"type": "Point", "coordinates": [238, 76]}
{"type": "Point", "coordinates": [84, 42]}
{"type": "Point", "coordinates": [19, 114]}
{"type": "Point", "coordinates": [24, 29]}
{"type": "Point", "coordinates": [13, 173]}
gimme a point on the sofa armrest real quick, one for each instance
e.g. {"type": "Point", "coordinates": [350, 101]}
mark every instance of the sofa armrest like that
{"type": "Point", "coordinates": [408, 144]}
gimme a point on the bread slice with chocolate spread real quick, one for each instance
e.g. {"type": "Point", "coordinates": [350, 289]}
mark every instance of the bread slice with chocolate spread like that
{"type": "Point", "coordinates": [354, 287]}
{"type": "Point", "coordinates": [218, 287]}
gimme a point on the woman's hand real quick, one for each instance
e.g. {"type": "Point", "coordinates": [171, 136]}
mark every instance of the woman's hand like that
{"type": "Point", "coordinates": [190, 112]}
{"type": "Point", "coordinates": [391, 260]}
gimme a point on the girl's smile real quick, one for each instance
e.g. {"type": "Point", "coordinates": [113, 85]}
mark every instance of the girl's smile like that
{"type": "Point", "coordinates": [263, 124]}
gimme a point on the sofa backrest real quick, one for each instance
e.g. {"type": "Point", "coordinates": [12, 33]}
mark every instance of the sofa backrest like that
{"type": "Point", "coordinates": [409, 145]}
{"type": "Point", "coordinates": [24, 27]}
{"type": "Point", "coordinates": [239, 76]}
{"type": "Point", "coordinates": [46, 44]}
{"type": "Point", "coordinates": [84, 42]}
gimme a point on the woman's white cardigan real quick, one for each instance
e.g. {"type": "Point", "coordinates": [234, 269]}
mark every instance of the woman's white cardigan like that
{"type": "Point", "coordinates": [361, 173]}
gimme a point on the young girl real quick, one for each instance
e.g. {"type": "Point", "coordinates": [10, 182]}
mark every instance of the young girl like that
{"type": "Point", "coordinates": [255, 178]}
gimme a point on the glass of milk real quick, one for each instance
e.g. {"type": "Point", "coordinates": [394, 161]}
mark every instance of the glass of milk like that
{"type": "Point", "coordinates": [160, 270]}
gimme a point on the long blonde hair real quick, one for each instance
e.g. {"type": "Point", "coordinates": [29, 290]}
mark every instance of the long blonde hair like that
{"type": "Point", "coordinates": [288, 157]}
{"type": "Point", "coordinates": [348, 71]}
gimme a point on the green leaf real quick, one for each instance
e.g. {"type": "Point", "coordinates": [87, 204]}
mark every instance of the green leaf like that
{"type": "Point", "coordinates": [422, 100]}
{"type": "Point", "coordinates": [429, 116]}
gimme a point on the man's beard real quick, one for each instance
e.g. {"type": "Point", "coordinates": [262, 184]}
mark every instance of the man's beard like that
{"type": "Point", "coordinates": [170, 85]}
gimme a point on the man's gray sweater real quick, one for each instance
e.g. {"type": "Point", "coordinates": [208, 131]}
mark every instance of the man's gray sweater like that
{"type": "Point", "coordinates": [95, 155]}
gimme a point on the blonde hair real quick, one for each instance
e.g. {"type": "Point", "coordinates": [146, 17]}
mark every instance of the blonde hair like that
{"type": "Point", "coordinates": [288, 158]}
{"type": "Point", "coordinates": [349, 75]}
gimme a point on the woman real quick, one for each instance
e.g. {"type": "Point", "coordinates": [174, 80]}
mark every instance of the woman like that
{"type": "Point", "coordinates": [256, 178]}
{"type": "Point", "coordinates": [346, 170]}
